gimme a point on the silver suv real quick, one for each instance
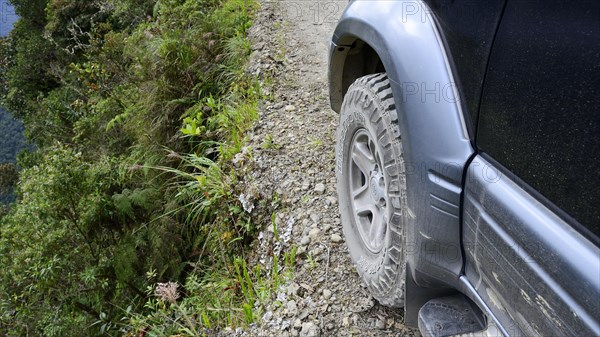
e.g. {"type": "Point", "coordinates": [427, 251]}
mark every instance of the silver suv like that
{"type": "Point", "coordinates": [468, 161]}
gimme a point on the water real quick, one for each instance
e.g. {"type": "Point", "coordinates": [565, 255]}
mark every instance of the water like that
{"type": "Point", "coordinates": [7, 17]}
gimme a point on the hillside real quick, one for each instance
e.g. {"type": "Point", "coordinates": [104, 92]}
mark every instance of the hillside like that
{"type": "Point", "coordinates": [136, 109]}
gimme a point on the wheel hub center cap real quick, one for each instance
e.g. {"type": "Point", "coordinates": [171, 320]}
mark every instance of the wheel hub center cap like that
{"type": "Point", "coordinates": [376, 188]}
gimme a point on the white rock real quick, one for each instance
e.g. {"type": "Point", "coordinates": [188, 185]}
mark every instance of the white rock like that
{"type": "Point", "coordinates": [336, 238]}
{"type": "Point", "coordinates": [246, 203]}
{"type": "Point", "coordinates": [310, 329]}
{"type": "Point", "coordinates": [320, 188]}
{"type": "Point", "coordinates": [331, 200]}
{"type": "Point", "coordinates": [326, 294]}
{"type": "Point", "coordinates": [292, 309]}
{"type": "Point", "coordinates": [292, 289]}
{"type": "Point", "coordinates": [314, 233]}
{"type": "Point", "coordinates": [305, 241]}
{"type": "Point", "coordinates": [267, 316]}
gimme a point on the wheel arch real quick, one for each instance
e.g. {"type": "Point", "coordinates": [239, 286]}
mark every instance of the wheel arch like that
{"type": "Point", "coordinates": [402, 39]}
{"type": "Point", "coordinates": [353, 58]}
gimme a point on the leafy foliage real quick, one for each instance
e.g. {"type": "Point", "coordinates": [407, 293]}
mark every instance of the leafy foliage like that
{"type": "Point", "coordinates": [117, 189]}
{"type": "Point", "coordinates": [8, 176]}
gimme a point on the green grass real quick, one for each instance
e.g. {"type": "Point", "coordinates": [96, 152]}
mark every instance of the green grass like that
{"type": "Point", "coordinates": [221, 289]}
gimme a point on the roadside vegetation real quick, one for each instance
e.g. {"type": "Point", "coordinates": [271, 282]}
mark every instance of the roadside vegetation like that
{"type": "Point", "coordinates": [127, 220]}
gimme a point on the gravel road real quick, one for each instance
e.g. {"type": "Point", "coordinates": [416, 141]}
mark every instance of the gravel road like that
{"type": "Point", "coordinates": [292, 176]}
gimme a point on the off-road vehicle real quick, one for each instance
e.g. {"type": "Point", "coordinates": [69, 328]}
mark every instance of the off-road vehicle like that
{"type": "Point", "coordinates": [468, 161]}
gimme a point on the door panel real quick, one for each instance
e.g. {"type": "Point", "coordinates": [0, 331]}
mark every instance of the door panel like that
{"type": "Point", "coordinates": [531, 237]}
{"type": "Point", "coordinates": [538, 275]}
{"type": "Point", "coordinates": [540, 110]}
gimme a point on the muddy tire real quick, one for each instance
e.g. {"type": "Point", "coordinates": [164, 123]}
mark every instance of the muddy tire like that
{"type": "Point", "coordinates": [372, 186]}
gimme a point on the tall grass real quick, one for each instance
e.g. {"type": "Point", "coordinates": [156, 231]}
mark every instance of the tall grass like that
{"type": "Point", "coordinates": [215, 102]}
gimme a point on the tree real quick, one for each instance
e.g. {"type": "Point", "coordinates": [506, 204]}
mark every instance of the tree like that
{"type": "Point", "coordinates": [69, 251]}
{"type": "Point", "coordinates": [8, 177]}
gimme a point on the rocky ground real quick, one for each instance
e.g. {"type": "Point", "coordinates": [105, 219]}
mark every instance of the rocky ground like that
{"type": "Point", "coordinates": [293, 177]}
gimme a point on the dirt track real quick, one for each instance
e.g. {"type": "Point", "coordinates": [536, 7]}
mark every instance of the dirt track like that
{"type": "Point", "coordinates": [293, 149]}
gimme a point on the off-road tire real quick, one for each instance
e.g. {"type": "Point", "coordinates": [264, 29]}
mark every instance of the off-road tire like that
{"type": "Point", "coordinates": [368, 116]}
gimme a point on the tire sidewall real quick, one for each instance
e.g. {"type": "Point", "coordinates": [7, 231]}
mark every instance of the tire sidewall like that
{"type": "Point", "coordinates": [372, 267]}
{"type": "Point", "coordinates": [367, 262]}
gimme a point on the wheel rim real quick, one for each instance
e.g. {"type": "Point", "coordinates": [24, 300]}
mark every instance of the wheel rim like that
{"type": "Point", "coordinates": [368, 191]}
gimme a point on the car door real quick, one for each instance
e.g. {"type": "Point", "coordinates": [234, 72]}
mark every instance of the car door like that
{"type": "Point", "coordinates": [531, 207]}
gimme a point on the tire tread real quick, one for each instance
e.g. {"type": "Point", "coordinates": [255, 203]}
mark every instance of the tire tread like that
{"type": "Point", "coordinates": [374, 94]}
